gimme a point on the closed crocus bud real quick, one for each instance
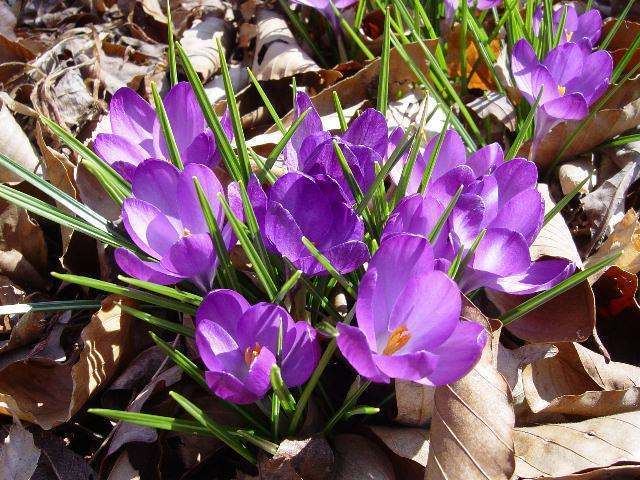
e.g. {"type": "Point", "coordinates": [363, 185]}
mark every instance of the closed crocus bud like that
{"type": "Point", "coordinates": [136, 134]}
{"type": "Point", "coordinates": [408, 319]}
{"type": "Point", "coordinates": [238, 344]}
{"type": "Point", "coordinates": [164, 219]}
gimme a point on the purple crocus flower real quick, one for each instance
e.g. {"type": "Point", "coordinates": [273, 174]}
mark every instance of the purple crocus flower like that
{"type": "Point", "coordinates": [408, 316]}
{"type": "Point", "coordinates": [136, 134]}
{"type": "Point", "coordinates": [300, 205]}
{"type": "Point", "coordinates": [570, 79]}
{"type": "Point", "coordinates": [324, 7]}
{"type": "Point", "coordinates": [365, 142]}
{"type": "Point", "coordinates": [164, 219]}
{"type": "Point", "coordinates": [450, 6]}
{"type": "Point", "coordinates": [584, 29]}
{"type": "Point", "coordinates": [238, 344]}
{"type": "Point", "coordinates": [498, 197]}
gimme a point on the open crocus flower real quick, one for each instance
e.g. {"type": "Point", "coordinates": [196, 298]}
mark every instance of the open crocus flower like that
{"type": "Point", "coordinates": [238, 344]}
{"type": "Point", "coordinates": [584, 29]}
{"type": "Point", "coordinates": [500, 201]}
{"type": "Point", "coordinates": [300, 205]}
{"type": "Point", "coordinates": [570, 80]}
{"type": "Point", "coordinates": [164, 219]}
{"type": "Point", "coordinates": [137, 136]}
{"type": "Point", "coordinates": [365, 142]}
{"type": "Point", "coordinates": [408, 316]}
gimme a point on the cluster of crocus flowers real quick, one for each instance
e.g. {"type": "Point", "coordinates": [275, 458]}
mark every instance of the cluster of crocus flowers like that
{"type": "Point", "coordinates": [239, 344]}
{"type": "Point", "coordinates": [136, 133]}
{"type": "Point", "coordinates": [581, 28]}
{"type": "Point", "coordinates": [569, 80]}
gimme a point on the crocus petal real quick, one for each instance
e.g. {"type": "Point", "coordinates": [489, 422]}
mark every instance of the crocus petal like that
{"type": "Point", "coordinates": [230, 388]}
{"type": "Point", "coordinates": [540, 276]}
{"type": "Point", "coordinates": [594, 78]}
{"type": "Point", "coordinates": [345, 257]}
{"type": "Point", "coordinates": [412, 366]}
{"type": "Point", "coordinates": [311, 123]}
{"type": "Point", "coordinates": [589, 26]}
{"type": "Point", "coordinates": [260, 323]}
{"type": "Point", "coordinates": [572, 106]}
{"type": "Point", "coordinates": [283, 232]}
{"type": "Point", "coordinates": [523, 214]}
{"type": "Point", "coordinates": [224, 307]}
{"type": "Point", "coordinates": [202, 150]}
{"type": "Point", "coordinates": [193, 257]}
{"type": "Point", "coordinates": [156, 182]}
{"type": "Point", "coordinates": [189, 205]}
{"type": "Point", "coordinates": [148, 227]}
{"type": "Point", "coordinates": [353, 346]}
{"type": "Point", "coordinates": [485, 159]}
{"type": "Point", "coordinates": [514, 177]}
{"type": "Point", "coordinates": [458, 354]}
{"type": "Point", "coordinates": [185, 118]}
{"type": "Point", "coordinates": [413, 214]}
{"type": "Point", "coordinates": [114, 148]}
{"type": "Point", "coordinates": [212, 340]}
{"type": "Point", "coordinates": [258, 378]}
{"type": "Point", "coordinates": [370, 130]}
{"type": "Point", "coordinates": [452, 154]}
{"type": "Point", "coordinates": [303, 354]}
{"type": "Point", "coordinates": [152, 272]}
{"type": "Point", "coordinates": [524, 63]}
{"type": "Point", "coordinates": [564, 63]}
{"type": "Point", "coordinates": [132, 117]}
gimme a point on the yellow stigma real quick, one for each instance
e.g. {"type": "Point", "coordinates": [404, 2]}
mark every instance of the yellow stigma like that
{"type": "Point", "coordinates": [398, 339]}
{"type": "Point", "coordinates": [251, 353]}
{"type": "Point", "coordinates": [562, 89]}
{"type": "Point", "coordinates": [568, 35]}
{"type": "Point", "coordinates": [186, 232]}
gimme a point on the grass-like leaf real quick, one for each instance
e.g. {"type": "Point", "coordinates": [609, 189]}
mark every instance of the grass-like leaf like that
{"type": "Point", "coordinates": [153, 421]}
{"type": "Point", "coordinates": [324, 261]}
{"type": "Point", "coordinates": [383, 76]}
{"type": "Point", "coordinates": [171, 292]}
{"type": "Point", "coordinates": [171, 48]}
{"type": "Point", "coordinates": [442, 219]}
{"type": "Point", "coordinates": [181, 360]}
{"type": "Point", "coordinates": [564, 201]}
{"type": "Point", "coordinates": [265, 99]}
{"type": "Point", "coordinates": [53, 306]}
{"type": "Point", "coordinates": [279, 147]}
{"type": "Point", "coordinates": [158, 322]}
{"type": "Point", "coordinates": [167, 131]}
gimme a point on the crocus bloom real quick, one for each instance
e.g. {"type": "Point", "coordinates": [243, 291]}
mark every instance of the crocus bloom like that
{"type": "Point", "coordinates": [365, 142]}
{"type": "Point", "coordinates": [164, 219]}
{"type": "Point", "coordinates": [137, 136]}
{"type": "Point", "coordinates": [570, 80]}
{"type": "Point", "coordinates": [584, 29]}
{"type": "Point", "coordinates": [450, 6]}
{"type": "Point", "coordinates": [238, 344]}
{"type": "Point", "coordinates": [499, 197]}
{"type": "Point", "coordinates": [324, 7]}
{"type": "Point", "coordinates": [408, 316]}
{"type": "Point", "coordinates": [300, 205]}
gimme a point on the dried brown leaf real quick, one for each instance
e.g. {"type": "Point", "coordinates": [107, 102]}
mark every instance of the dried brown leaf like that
{"type": "Point", "coordinates": [624, 239]}
{"type": "Point", "coordinates": [497, 105]}
{"type": "Point", "coordinates": [18, 455]}
{"type": "Point", "coordinates": [199, 42]}
{"type": "Point", "coordinates": [566, 448]}
{"type": "Point", "coordinates": [15, 144]}
{"type": "Point", "coordinates": [307, 459]}
{"type": "Point", "coordinates": [414, 403]}
{"type": "Point", "coordinates": [408, 448]}
{"type": "Point", "coordinates": [359, 457]}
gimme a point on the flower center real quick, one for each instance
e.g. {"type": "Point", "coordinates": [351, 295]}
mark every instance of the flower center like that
{"type": "Point", "coordinates": [186, 232]}
{"type": "Point", "coordinates": [251, 353]}
{"type": "Point", "coordinates": [398, 339]}
{"type": "Point", "coordinates": [568, 34]}
{"type": "Point", "coordinates": [562, 89]}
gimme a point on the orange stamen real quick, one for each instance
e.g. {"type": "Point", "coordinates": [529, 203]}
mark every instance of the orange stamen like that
{"type": "Point", "coordinates": [562, 89]}
{"type": "Point", "coordinates": [251, 353]}
{"type": "Point", "coordinates": [398, 339]}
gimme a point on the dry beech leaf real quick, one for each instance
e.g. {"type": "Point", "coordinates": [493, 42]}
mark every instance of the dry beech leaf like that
{"type": "Point", "coordinates": [410, 446]}
{"type": "Point", "coordinates": [624, 471]}
{"type": "Point", "coordinates": [72, 98]}
{"type": "Point", "coordinates": [620, 113]}
{"type": "Point", "coordinates": [624, 239]}
{"type": "Point", "coordinates": [118, 66]}
{"type": "Point", "coordinates": [15, 144]}
{"type": "Point", "coordinates": [18, 454]}
{"type": "Point", "coordinates": [277, 53]}
{"type": "Point", "coordinates": [48, 393]}
{"type": "Point", "coordinates": [199, 42]}
{"type": "Point", "coordinates": [497, 105]}
{"type": "Point", "coordinates": [622, 40]}
{"type": "Point", "coordinates": [93, 195]}
{"type": "Point", "coordinates": [605, 206]}
{"type": "Point", "coordinates": [414, 403]}
{"type": "Point", "coordinates": [566, 448]}
{"type": "Point", "coordinates": [406, 112]}
{"type": "Point", "coordinates": [471, 429]}
{"type": "Point", "coordinates": [358, 457]}
{"type": "Point", "coordinates": [7, 21]}
{"type": "Point", "coordinates": [577, 382]}
{"type": "Point", "coordinates": [572, 174]}
{"type": "Point", "coordinates": [307, 459]}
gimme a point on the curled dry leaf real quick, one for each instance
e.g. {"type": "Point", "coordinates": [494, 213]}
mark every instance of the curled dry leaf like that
{"type": "Point", "coordinates": [409, 446]}
{"type": "Point", "coordinates": [568, 317]}
{"type": "Point", "coordinates": [359, 457]}
{"type": "Point", "coordinates": [278, 54]}
{"type": "Point", "coordinates": [471, 430]}
{"type": "Point", "coordinates": [619, 114]}
{"type": "Point", "coordinates": [15, 144]}
{"type": "Point", "coordinates": [623, 471]}
{"type": "Point", "coordinates": [573, 173]}
{"type": "Point", "coordinates": [48, 393]}
{"type": "Point", "coordinates": [308, 459]}
{"type": "Point", "coordinates": [566, 448]}
{"type": "Point", "coordinates": [577, 382]}
{"type": "Point", "coordinates": [625, 239]}
{"type": "Point", "coordinates": [199, 42]}
{"type": "Point", "coordinates": [18, 454]}
{"type": "Point", "coordinates": [497, 105]}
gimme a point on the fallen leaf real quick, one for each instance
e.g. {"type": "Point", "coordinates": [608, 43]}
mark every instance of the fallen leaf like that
{"type": "Point", "coordinates": [18, 454]}
{"type": "Point", "coordinates": [611, 472]}
{"type": "Point", "coordinates": [406, 112]}
{"type": "Point", "coordinates": [7, 21]}
{"type": "Point", "coordinates": [622, 40]}
{"type": "Point", "coordinates": [15, 144]}
{"type": "Point", "coordinates": [358, 457]}
{"type": "Point", "coordinates": [48, 393]}
{"type": "Point", "coordinates": [477, 72]}
{"type": "Point", "coordinates": [414, 403]}
{"type": "Point", "coordinates": [93, 194]}
{"type": "Point", "coordinates": [625, 239]}
{"type": "Point", "coordinates": [471, 430]}
{"type": "Point", "coordinates": [199, 42]}
{"type": "Point", "coordinates": [577, 382]}
{"type": "Point", "coordinates": [566, 448]}
{"type": "Point", "coordinates": [308, 459]}
{"type": "Point", "coordinates": [278, 54]}
{"type": "Point", "coordinates": [409, 446]}
{"type": "Point", "coordinates": [573, 173]}
{"type": "Point", "coordinates": [497, 105]}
